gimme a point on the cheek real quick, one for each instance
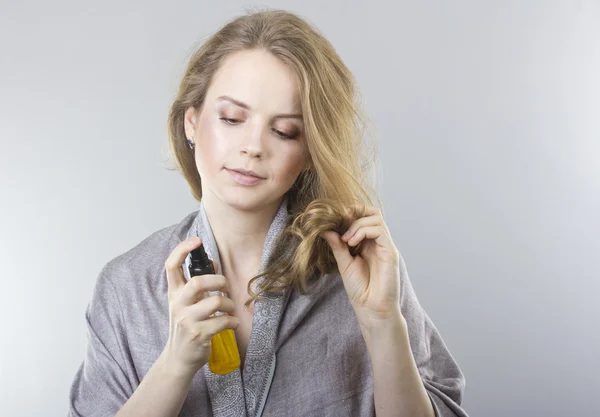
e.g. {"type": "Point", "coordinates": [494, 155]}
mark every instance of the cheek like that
{"type": "Point", "coordinates": [212, 145]}
{"type": "Point", "coordinates": [291, 162]}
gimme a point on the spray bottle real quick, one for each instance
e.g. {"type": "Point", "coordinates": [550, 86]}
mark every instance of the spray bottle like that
{"type": "Point", "coordinates": [224, 355]}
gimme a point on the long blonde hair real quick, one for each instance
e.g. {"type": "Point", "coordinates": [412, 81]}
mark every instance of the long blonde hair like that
{"type": "Point", "coordinates": [332, 191]}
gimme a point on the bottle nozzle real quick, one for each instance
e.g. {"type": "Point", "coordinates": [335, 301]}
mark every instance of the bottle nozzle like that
{"type": "Point", "coordinates": [199, 255]}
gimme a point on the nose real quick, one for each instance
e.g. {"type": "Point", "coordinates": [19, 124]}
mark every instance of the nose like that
{"type": "Point", "coordinates": [253, 143]}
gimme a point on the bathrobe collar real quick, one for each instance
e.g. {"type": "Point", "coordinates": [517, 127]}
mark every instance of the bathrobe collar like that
{"type": "Point", "coordinates": [244, 395]}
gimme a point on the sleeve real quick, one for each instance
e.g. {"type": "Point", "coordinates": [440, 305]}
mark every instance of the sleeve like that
{"type": "Point", "coordinates": [442, 378]}
{"type": "Point", "coordinates": [101, 385]}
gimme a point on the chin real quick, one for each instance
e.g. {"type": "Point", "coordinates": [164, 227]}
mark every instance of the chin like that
{"type": "Point", "coordinates": [248, 199]}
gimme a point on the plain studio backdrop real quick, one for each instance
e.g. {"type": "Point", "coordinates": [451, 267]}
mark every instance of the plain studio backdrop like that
{"type": "Point", "coordinates": [488, 120]}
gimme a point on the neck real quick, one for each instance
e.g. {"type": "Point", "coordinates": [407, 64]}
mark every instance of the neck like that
{"type": "Point", "coordinates": [239, 235]}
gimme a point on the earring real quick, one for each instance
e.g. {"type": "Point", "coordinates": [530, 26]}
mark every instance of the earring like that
{"type": "Point", "coordinates": [190, 144]}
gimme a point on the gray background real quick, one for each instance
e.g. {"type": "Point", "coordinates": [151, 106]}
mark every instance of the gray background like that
{"type": "Point", "coordinates": [488, 120]}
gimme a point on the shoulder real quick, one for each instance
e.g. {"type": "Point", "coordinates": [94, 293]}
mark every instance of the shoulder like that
{"type": "Point", "coordinates": [145, 260]}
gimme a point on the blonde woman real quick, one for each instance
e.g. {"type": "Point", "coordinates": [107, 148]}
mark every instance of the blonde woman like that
{"type": "Point", "coordinates": [267, 130]}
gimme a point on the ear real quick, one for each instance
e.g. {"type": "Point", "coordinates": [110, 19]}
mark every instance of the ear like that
{"type": "Point", "coordinates": [189, 122]}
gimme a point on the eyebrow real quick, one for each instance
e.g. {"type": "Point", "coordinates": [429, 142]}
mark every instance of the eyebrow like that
{"type": "Point", "coordinates": [247, 107]}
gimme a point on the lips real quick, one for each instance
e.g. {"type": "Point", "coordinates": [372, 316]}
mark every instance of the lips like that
{"type": "Point", "coordinates": [247, 172]}
{"type": "Point", "coordinates": [242, 178]}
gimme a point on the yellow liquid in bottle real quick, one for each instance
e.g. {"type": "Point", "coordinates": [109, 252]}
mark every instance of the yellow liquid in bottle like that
{"type": "Point", "coordinates": [224, 354]}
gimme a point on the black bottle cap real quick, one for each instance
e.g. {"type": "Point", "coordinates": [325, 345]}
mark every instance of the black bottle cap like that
{"type": "Point", "coordinates": [199, 255]}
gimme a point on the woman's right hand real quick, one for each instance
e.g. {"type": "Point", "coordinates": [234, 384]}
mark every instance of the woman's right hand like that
{"type": "Point", "coordinates": [190, 326]}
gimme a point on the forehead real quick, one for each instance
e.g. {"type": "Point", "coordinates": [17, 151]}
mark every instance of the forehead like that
{"type": "Point", "coordinates": [259, 79]}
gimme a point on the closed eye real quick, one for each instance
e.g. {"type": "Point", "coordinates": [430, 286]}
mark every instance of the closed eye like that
{"type": "Point", "coordinates": [236, 121]}
{"type": "Point", "coordinates": [283, 135]}
{"type": "Point", "coordinates": [230, 121]}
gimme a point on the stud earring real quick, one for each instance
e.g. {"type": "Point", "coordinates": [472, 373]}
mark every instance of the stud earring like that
{"type": "Point", "coordinates": [190, 144]}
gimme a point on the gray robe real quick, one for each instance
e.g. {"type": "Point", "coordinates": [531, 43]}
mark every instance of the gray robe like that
{"type": "Point", "coordinates": [306, 354]}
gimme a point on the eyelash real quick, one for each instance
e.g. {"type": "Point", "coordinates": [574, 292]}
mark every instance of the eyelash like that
{"type": "Point", "coordinates": [283, 135]}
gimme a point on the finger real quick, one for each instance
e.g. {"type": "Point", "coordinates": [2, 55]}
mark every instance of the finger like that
{"type": "Point", "coordinates": [210, 327]}
{"type": "Point", "coordinates": [173, 268]}
{"type": "Point", "coordinates": [340, 250]}
{"type": "Point", "coordinates": [369, 211]}
{"type": "Point", "coordinates": [372, 232]}
{"type": "Point", "coordinates": [372, 220]}
{"type": "Point", "coordinates": [198, 285]}
{"type": "Point", "coordinates": [205, 308]}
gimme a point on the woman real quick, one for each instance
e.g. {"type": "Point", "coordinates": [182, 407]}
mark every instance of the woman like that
{"type": "Point", "coordinates": [267, 132]}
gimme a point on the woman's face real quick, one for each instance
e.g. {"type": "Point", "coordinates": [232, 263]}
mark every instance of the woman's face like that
{"type": "Point", "coordinates": [251, 119]}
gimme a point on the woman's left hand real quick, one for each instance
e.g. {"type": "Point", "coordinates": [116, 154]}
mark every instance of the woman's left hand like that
{"type": "Point", "coordinates": [372, 277]}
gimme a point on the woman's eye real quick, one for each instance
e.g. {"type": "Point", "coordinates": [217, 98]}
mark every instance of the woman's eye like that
{"type": "Point", "coordinates": [278, 132]}
{"type": "Point", "coordinates": [230, 121]}
{"type": "Point", "coordinates": [283, 135]}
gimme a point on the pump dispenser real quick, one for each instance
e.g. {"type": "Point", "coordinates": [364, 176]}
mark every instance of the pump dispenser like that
{"type": "Point", "coordinates": [224, 355]}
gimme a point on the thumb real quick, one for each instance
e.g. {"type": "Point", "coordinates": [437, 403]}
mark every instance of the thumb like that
{"type": "Point", "coordinates": [339, 248]}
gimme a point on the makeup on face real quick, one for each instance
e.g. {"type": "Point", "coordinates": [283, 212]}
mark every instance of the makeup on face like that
{"type": "Point", "coordinates": [234, 112]}
{"type": "Point", "coordinates": [244, 179]}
